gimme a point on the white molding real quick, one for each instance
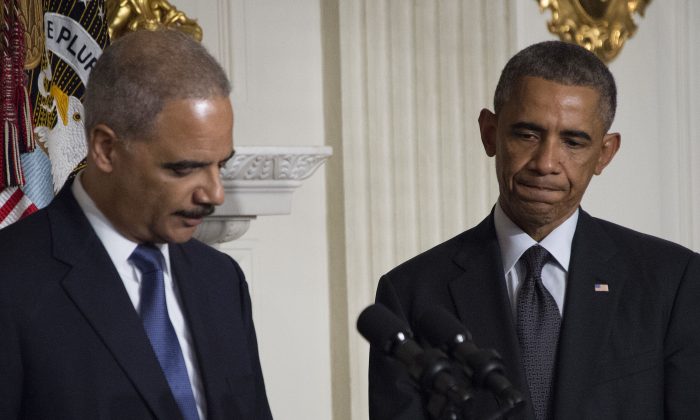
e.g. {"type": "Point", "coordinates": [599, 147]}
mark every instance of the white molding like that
{"type": "Point", "coordinates": [231, 34]}
{"type": "Point", "coordinates": [259, 181]}
{"type": "Point", "coordinates": [693, 188]}
{"type": "Point", "coordinates": [238, 35]}
{"type": "Point", "coordinates": [217, 230]}
{"type": "Point", "coordinates": [681, 46]}
{"type": "Point", "coordinates": [677, 105]}
{"type": "Point", "coordinates": [260, 163]}
{"type": "Point", "coordinates": [356, 183]}
{"type": "Point", "coordinates": [224, 35]}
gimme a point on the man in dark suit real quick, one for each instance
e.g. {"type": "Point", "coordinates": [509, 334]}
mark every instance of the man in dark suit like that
{"type": "Point", "coordinates": [593, 320]}
{"type": "Point", "coordinates": [108, 310]}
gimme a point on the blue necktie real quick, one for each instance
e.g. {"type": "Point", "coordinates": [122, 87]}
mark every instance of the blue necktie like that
{"type": "Point", "coordinates": [154, 314]}
{"type": "Point", "coordinates": [538, 326]}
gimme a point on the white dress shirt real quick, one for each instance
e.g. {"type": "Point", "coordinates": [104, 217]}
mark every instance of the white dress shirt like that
{"type": "Point", "coordinates": [119, 249]}
{"type": "Point", "coordinates": [514, 242]}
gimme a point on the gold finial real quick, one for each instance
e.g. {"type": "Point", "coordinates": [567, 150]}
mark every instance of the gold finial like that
{"type": "Point", "coordinates": [131, 15]}
{"type": "Point", "coordinates": [600, 26]}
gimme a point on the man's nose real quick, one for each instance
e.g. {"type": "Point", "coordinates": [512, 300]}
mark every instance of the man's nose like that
{"type": "Point", "coordinates": [546, 156]}
{"type": "Point", "coordinates": [212, 191]}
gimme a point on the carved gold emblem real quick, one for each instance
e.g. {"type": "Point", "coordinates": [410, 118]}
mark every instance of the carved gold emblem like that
{"type": "Point", "coordinates": [601, 26]}
{"type": "Point", "coordinates": [32, 17]}
{"type": "Point", "coordinates": [131, 15]}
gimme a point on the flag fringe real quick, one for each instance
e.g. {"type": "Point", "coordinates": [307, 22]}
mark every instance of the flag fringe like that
{"type": "Point", "coordinates": [15, 111]}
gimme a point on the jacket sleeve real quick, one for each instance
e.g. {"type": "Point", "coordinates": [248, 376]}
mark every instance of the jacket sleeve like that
{"type": "Point", "coordinates": [11, 374]}
{"type": "Point", "coordinates": [392, 393]}
{"type": "Point", "coordinates": [682, 347]}
{"type": "Point", "coordinates": [262, 407]}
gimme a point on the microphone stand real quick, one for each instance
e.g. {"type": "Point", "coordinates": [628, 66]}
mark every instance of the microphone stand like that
{"type": "Point", "coordinates": [483, 368]}
{"type": "Point", "coordinates": [448, 399]}
{"type": "Point", "coordinates": [486, 369]}
{"type": "Point", "coordinates": [449, 395]}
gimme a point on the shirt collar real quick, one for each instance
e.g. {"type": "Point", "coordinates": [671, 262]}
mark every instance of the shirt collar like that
{"type": "Point", "coordinates": [513, 241]}
{"type": "Point", "coordinates": [117, 245]}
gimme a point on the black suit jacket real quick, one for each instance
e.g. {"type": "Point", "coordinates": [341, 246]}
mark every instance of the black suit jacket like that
{"type": "Point", "coordinates": [73, 347]}
{"type": "Point", "coordinates": [630, 353]}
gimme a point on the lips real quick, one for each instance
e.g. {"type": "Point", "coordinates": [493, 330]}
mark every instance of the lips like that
{"type": "Point", "coordinates": [193, 222]}
{"type": "Point", "coordinates": [538, 191]}
{"type": "Point", "coordinates": [539, 186]}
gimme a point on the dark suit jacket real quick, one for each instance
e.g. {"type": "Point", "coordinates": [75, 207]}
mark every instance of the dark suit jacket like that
{"type": "Point", "coordinates": [630, 353]}
{"type": "Point", "coordinates": [73, 347]}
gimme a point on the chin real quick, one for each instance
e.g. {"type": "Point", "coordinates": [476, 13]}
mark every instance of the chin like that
{"type": "Point", "coordinates": [537, 213]}
{"type": "Point", "coordinates": [177, 235]}
{"type": "Point", "coordinates": [182, 237]}
{"type": "Point", "coordinates": [187, 234]}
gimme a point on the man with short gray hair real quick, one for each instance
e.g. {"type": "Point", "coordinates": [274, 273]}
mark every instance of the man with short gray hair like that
{"type": "Point", "coordinates": [108, 308]}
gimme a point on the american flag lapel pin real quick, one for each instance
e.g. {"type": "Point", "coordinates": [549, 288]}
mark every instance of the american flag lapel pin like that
{"type": "Point", "coordinates": [601, 287]}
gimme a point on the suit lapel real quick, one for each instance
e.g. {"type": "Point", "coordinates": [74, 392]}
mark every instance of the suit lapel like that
{"type": "Point", "coordinates": [95, 287]}
{"type": "Point", "coordinates": [587, 313]}
{"type": "Point", "coordinates": [482, 301]}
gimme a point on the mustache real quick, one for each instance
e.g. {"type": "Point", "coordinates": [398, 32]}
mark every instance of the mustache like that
{"type": "Point", "coordinates": [203, 211]}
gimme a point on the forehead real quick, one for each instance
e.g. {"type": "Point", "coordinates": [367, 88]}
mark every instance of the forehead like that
{"type": "Point", "coordinates": [541, 100]}
{"type": "Point", "coordinates": [199, 126]}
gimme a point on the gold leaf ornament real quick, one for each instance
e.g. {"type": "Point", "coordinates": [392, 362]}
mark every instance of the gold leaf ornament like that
{"type": "Point", "coordinates": [600, 26]}
{"type": "Point", "coordinates": [32, 17]}
{"type": "Point", "coordinates": [131, 15]}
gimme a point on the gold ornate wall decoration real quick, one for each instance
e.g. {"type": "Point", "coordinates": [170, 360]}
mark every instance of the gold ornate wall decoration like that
{"type": "Point", "coordinates": [32, 16]}
{"type": "Point", "coordinates": [601, 26]}
{"type": "Point", "coordinates": [131, 15]}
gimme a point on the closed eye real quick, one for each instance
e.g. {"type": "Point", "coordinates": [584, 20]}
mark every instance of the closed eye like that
{"type": "Point", "coordinates": [526, 131]}
{"type": "Point", "coordinates": [574, 143]}
{"type": "Point", "coordinates": [186, 167]}
{"type": "Point", "coordinates": [183, 168]}
{"type": "Point", "coordinates": [526, 135]}
{"type": "Point", "coordinates": [577, 136]}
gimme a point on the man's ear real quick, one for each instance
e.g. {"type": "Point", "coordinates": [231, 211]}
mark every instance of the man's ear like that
{"type": "Point", "coordinates": [610, 146]}
{"type": "Point", "coordinates": [487, 126]}
{"type": "Point", "coordinates": [101, 147]}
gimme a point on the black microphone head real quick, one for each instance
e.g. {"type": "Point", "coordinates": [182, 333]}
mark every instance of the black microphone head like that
{"type": "Point", "coordinates": [381, 327]}
{"type": "Point", "coordinates": [441, 328]}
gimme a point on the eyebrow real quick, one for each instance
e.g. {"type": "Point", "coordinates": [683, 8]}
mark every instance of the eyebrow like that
{"type": "Point", "coordinates": [577, 134]}
{"type": "Point", "coordinates": [223, 161]}
{"type": "Point", "coordinates": [526, 126]}
{"type": "Point", "coordinates": [566, 133]}
{"type": "Point", "coordinates": [190, 164]}
{"type": "Point", "coordinates": [184, 164]}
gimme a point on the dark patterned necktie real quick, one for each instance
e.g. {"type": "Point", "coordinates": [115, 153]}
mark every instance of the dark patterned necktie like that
{"type": "Point", "coordinates": [156, 321]}
{"type": "Point", "coordinates": [538, 331]}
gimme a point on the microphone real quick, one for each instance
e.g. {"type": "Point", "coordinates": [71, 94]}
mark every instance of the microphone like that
{"type": "Point", "coordinates": [429, 368]}
{"type": "Point", "coordinates": [484, 367]}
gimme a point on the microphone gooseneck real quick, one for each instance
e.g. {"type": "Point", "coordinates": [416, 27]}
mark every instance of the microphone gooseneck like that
{"type": "Point", "coordinates": [430, 368]}
{"type": "Point", "coordinates": [483, 366]}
